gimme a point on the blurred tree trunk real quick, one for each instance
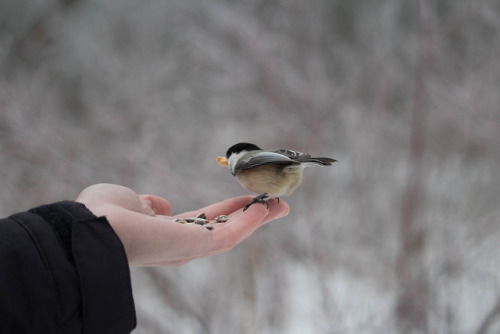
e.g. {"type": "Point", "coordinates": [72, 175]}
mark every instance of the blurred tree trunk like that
{"type": "Point", "coordinates": [413, 295]}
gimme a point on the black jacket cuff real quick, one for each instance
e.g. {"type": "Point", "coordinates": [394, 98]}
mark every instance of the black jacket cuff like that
{"type": "Point", "coordinates": [102, 268]}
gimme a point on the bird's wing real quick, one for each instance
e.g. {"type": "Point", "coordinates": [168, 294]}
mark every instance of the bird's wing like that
{"type": "Point", "coordinates": [305, 159]}
{"type": "Point", "coordinates": [265, 158]}
{"type": "Point", "coordinates": [294, 155]}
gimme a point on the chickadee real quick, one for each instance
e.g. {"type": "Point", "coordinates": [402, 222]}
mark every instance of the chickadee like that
{"type": "Point", "coordinates": [268, 173]}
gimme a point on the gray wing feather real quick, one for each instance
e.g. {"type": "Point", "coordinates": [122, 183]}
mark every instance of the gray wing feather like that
{"type": "Point", "coordinates": [282, 157]}
{"type": "Point", "coordinates": [306, 159]}
{"type": "Point", "coordinates": [265, 158]}
{"type": "Point", "coordinates": [293, 154]}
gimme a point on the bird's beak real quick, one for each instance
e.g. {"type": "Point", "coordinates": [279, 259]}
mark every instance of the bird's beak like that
{"type": "Point", "coordinates": [222, 161]}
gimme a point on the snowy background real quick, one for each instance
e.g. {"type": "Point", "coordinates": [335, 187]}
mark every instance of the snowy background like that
{"type": "Point", "coordinates": [402, 235]}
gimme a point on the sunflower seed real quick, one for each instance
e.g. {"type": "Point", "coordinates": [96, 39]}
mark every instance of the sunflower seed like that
{"type": "Point", "coordinates": [221, 219]}
{"type": "Point", "coordinates": [200, 221]}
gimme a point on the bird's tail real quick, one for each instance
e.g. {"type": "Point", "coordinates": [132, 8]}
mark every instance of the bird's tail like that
{"type": "Point", "coordinates": [317, 162]}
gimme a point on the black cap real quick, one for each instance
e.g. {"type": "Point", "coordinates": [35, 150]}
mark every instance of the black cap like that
{"type": "Point", "coordinates": [240, 147]}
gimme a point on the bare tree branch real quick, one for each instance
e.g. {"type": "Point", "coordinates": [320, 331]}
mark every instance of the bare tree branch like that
{"type": "Point", "coordinates": [413, 299]}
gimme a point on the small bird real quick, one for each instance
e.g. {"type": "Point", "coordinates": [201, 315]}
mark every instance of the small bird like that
{"type": "Point", "coordinates": [271, 174]}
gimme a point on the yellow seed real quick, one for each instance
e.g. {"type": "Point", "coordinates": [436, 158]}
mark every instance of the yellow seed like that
{"type": "Point", "coordinates": [222, 161]}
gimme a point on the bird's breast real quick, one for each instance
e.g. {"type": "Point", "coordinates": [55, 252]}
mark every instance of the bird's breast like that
{"type": "Point", "coordinates": [269, 179]}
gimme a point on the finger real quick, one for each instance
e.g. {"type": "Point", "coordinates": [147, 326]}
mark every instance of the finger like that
{"type": "Point", "coordinates": [242, 224]}
{"type": "Point", "coordinates": [159, 205]}
{"type": "Point", "coordinates": [225, 207]}
{"type": "Point", "coordinates": [277, 209]}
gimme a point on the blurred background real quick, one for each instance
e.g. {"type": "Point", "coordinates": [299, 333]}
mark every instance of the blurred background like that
{"type": "Point", "coordinates": [400, 236]}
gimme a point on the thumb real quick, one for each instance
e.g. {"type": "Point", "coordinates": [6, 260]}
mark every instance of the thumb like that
{"type": "Point", "coordinates": [159, 205]}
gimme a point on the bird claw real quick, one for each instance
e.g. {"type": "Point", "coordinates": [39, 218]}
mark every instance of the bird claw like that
{"type": "Point", "coordinates": [257, 199]}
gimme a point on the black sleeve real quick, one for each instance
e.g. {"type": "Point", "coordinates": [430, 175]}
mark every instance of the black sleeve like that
{"type": "Point", "coordinates": [63, 270]}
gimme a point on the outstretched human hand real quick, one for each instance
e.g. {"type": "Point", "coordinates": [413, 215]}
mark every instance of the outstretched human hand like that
{"type": "Point", "coordinates": [152, 237]}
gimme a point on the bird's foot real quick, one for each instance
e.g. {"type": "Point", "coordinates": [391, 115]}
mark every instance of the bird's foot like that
{"type": "Point", "coordinates": [257, 199]}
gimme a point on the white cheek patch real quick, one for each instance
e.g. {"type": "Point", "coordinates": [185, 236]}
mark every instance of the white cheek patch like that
{"type": "Point", "coordinates": [233, 159]}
